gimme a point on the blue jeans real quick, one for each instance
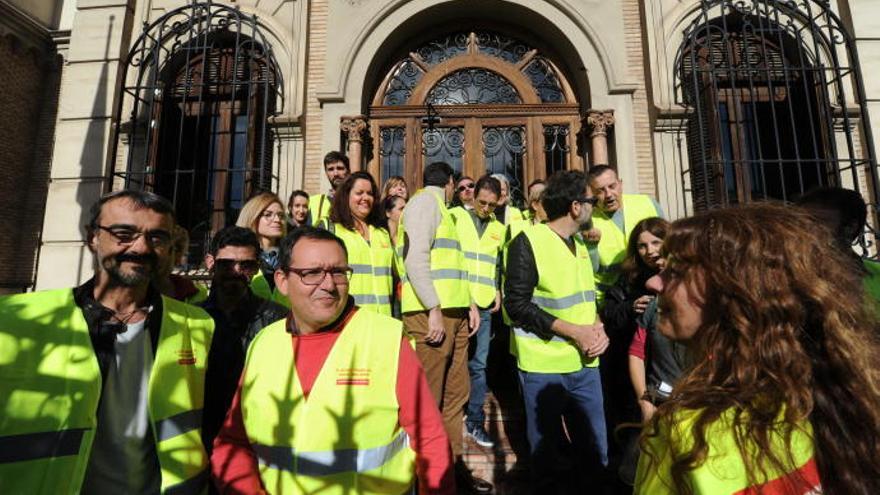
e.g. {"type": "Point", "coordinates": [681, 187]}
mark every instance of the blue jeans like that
{"type": "Point", "coordinates": [477, 370]}
{"type": "Point", "coordinates": [547, 397]}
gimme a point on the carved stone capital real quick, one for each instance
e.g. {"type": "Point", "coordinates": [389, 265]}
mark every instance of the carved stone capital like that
{"type": "Point", "coordinates": [354, 127]}
{"type": "Point", "coordinates": [599, 121]}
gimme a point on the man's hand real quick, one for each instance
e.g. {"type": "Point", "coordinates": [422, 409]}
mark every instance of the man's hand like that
{"type": "Point", "coordinates": [600, 340]}
{"type": "Point", "coordinates": [641, 304]}
{"type": "Point", "coordinates": [436, 332]}
{"type": "Point", "coordinates": [497, 305]}
{"type": "Point", "coordinates": [648, 409]}
{"type": "Point", "coordinates": [593, 235]}
{"type": "Point", "coordinates": [473, 319]}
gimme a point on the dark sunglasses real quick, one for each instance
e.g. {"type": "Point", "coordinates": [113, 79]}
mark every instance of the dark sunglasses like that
{"type": "Point", "coordinates": [465, 186]}
{"type": "Point", "coordinates": [592, 201]}
{"type": "Point", "coordinates": [247, 266]}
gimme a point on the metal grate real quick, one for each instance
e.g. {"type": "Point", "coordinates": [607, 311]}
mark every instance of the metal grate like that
{"type": "Point", "coordinates": [775, 104]}
{"type": "Point", "coordinates": [192, 124]}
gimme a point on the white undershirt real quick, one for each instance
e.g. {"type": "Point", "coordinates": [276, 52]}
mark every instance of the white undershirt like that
{"type": "Point", "coordinates": [123, 458]}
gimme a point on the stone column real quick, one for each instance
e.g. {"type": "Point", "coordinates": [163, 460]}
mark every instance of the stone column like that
{"type": "Point", "coordinates": [354, 127]}
{"type": "Point", "coordinates": [599, 122]}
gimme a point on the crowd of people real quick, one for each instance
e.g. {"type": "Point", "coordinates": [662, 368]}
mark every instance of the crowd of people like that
{"type": "Point", "coordinates": [342, 345]}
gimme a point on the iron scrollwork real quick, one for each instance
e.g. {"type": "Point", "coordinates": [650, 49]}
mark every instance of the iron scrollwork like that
{"type": "Point", "coordinates": [392, 151]}
{"type": "Point", "coordinates": [473, 86]}
{"type": "Point", "coordinates": [444, 144]}
{"type": "Point", "coordinates": [503, 151]}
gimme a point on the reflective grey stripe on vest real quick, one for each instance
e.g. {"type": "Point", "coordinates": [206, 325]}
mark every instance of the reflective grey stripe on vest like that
{"type": "Point", "coordinates": [331, 461]}
{"type": "Point", "coordinates": [361, 299]}
{"type": "Point", "coordinates": [565, 302]}
{"type": "Point", "coordinates": [480, 257]}
{"type": "Point", "coordinates": [42, 445]}
{"type": "Point", "coordinates": [525, 334]}
{"type": "Point", "coordinates": [362, 269]}
{"type": "Point", "coordinates": [476, 279]}
{"type": "Point", "coordinates": [609, 269]}
{"type": "Point", "coordinates": [178, 424]}
{"type": "Point", "coordinates": [448, 274]}
{"type": "Point", "coordinates": [442, 242]}
{"type": "Point", "coordinates": [196, 484]}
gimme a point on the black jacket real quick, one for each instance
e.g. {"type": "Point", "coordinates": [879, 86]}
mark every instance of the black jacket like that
{"type": "Point", "coordinates": [232, 336]}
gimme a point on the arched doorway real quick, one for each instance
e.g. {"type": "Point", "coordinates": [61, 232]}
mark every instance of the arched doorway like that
{"type": "Point", "coordinates": [205, 84]}
{"type": "Point", "coordinates": [483, 101]}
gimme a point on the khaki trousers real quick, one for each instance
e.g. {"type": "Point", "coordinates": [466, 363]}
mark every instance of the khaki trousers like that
{"type": "Point", "coordinates": [445, 367]}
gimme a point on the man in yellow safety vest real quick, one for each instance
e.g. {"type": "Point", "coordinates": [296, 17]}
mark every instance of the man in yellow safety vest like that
{"type": "Point", "coordinates": [337, 169]}
{"type": "Point", "coordinates": [614, 217]}
{"type": "Point", "coordinates": [549, 294]}
{"type": "Point", "coordinates": [101, 386]}
{"type": "Point", "coordinates": [481, 236]}
{"type": "Point", "coordinates": [332, 399]}
{"type": "Point", "coordinates": [436, 303]}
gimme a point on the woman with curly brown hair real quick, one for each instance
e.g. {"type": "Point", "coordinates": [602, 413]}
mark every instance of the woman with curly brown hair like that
{"type": "Point", "coordinates": [782, 396]}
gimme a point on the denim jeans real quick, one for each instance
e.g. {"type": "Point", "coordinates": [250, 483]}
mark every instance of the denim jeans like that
{"type": "Point", "coordinates": [547, 396]}
{"type": "Point", "coordinates": [477, 369]}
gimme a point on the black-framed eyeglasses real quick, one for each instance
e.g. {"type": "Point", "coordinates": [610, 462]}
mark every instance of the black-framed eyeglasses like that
{"type": "Point", "coordinates": [465, 186]}
{"type": "Point", "coordinates": [314, 276]}
{"type": "Point", "coordinates": [246, 266]}
{"type": "Point", "coordinates": [127, 235]}
{"type": "Point", "coordinates": [592, 201]}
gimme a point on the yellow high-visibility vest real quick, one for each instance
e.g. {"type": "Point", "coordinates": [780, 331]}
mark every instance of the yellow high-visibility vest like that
{"type": "Point", "coordinates": [200, 296]}
{"type": "Point", "coordinates": [448, 267]}
{"type": "Point", "coordinates": [260, 287]}
{"type": "Point", "coordinates": [371, 283]}
{"type": "Point", "coordinates": [343, 438]}
{"type": "Point", "coordinates": [512, 214]}
{"type": "Point", "coordinates": [566, 290]}
{"type": "Point", "coordinates": [50, 384]}
{"type": "Point", "coordinates": [724, 471]}
{"type": "Point", "coordinates": [482, 255]}
{"type": "Point", "coordinates": [319, 208]}
{"type": "Point", "coordinates": [612, 245]}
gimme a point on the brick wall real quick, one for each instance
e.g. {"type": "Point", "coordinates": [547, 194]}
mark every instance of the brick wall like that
{"type": "Point", "coordinates": [635, 43]}
{"type": "Point", "coordinates": [317, 49]}
{"type": "Point", "coordinates": [29, 83]}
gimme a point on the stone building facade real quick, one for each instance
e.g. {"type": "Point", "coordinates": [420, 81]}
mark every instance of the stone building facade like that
{"type": "Point", "coordinates": [700, 103]}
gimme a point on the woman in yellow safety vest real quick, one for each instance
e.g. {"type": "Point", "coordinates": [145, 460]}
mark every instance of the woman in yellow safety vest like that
{"type": "Point", "coordinates": [784, 395]}
{"type": "Point", "coordinates": [356, 218]}
{"type": "Point", "coordinates": [264, 214]}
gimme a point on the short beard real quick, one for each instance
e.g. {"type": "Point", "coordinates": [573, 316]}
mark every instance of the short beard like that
{"type": "Point", "coordinates": [131, 279]}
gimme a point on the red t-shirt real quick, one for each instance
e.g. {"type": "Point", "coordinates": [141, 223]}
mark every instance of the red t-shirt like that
{"type": "Point", "coordinates": [234, 464]}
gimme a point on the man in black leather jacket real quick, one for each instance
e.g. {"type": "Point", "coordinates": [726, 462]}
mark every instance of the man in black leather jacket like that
{"type": "Point", "coordinates": [238, 316]}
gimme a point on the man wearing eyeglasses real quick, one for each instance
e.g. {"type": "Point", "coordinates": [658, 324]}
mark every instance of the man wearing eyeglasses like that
{"type": "Point", "coordinates": [101, 385]}
{"type": "Point", "coordinates": [557, 337]}
{"type": "Point", "coordinates": [238, 314]}
{"type": "Point", "coordinates": [332, 399]}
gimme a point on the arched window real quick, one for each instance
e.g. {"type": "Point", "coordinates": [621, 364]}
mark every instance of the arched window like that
{"type": "Point", "coordinates": [484, 102]}
{"type": "Point", "coordinates": [771, 110]}
{"type": "Point", "coordinates": [197, 130]}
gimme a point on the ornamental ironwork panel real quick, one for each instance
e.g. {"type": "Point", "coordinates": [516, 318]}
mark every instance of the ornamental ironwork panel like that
{"type": "Point", "coordinates": [403, 81]}
{"type": "Point", "coordinates": [192, 121]}
{"type": "Point", "coordinates": [444, 144]}
{"type": "Point", "coordinates": [556, 148]}
{"type": "Point", "coordinates": [545, 81]}
{"type": "Point", "coordinates": [503, 150]}
{"type": "Point", "coordinates": [775, 104]}
{"type": "Point", "coordinates": [392, 150]}
{"type": "Point", "coordinates": [407, 73]}
{"type": "Point", "coordinates": [473, 86]}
